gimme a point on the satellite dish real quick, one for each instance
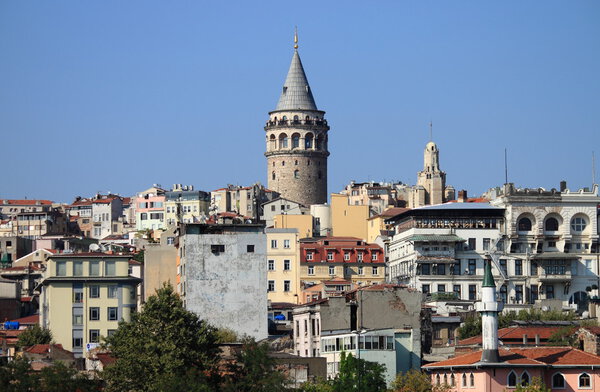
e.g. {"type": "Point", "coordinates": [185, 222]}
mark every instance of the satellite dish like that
{"type": "Point", "coordinates": [94, 247]}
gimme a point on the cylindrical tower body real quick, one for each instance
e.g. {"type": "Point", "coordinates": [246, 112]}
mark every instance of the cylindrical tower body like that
{"type": "Point", "coordinates": [489, 308]}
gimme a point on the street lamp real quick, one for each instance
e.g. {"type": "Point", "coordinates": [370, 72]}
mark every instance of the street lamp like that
{"type": "Point", "coordinates": [359, 333]}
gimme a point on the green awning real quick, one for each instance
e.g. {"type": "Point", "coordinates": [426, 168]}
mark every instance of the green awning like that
{"type": "Point", "coordinates": [435, 238]}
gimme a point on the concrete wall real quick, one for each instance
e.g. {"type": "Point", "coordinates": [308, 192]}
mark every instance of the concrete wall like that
{"type": "Point", "coordinates": [227, 289]}
{"type": "Point", "coordinates": [159, 264]}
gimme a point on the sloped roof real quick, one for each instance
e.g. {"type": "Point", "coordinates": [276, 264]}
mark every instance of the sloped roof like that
{"type": "Point", "coordinates": [516, 332]}
{"type": "Point", "coordinates": [25, 202]}
{"type": "Point", "coordinates": [33, 319]}
{"type": "Point", "coordinates": [296, 92]}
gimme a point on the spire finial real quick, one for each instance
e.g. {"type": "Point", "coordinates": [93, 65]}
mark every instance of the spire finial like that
{"type": "Point", "coordinates": [296, 37]}
{"type": "Point", "coordinates": [430, 130]}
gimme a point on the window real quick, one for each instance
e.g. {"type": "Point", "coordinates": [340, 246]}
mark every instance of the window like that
{"type": "Point", "coordinates": [551, 224]}
{"type": "Point", "coordinates": [113, 291]}
{"type": "Point", "coordinates": [533, 269]}
{"type": "Point", "coordinates": [585, 381]}
{"type": "Point", "coordinates": [274, 244]}
{"type": "Point", "coordinates": [109, 268]}
{"type": "Point", "coordinates": [472, 244]}
{"type": "Point", "coordinates": [77, 297]}
{"type": "Point", "coordinates": [346, 256]}
{"type": "Point", "coordinates": [271, 286]}
{"type": "Point", "coordinates": [503, 293]}
{"type": "Point", "coordinates": [94, 335]}
{"type": "Point", "coordinates": [286, 244]}
{"type": "Point", "coordinates": [77, 316]}
{"type": "Point", "coordinates": [512, 379]}
{"type": "Point", "coordinates": [471, 380]}
{"type": "Point", "coordinates": [61, 268]}
{"type": "Point", "coordinates": [216, 249]}
{"type": "Point", "coordinates": [110, 332]}
{"type": "Point", "coordinates": [78, 268]}
{"type": "Point", "coordinates": [311, 270]}
{"type": "Point", "coordinates": [472, 266]}
{"type": "Point", "coordinates": [578, 224]}
{"type": "Point", "coordinates": [524, 224]}
{"type": "Point", "coordinates": [464, 380]}
{"type": "Point", "coordinates": [519, 293]}
{"type": "Point", "coordinates": [441, 288]}
{"type": "Point", "coordinates": [534, 293]}
{"type": "Point", "coordinates": [441, 269]}
{"type": "Point", "coordinates": [296, 173]}
{"type": "Point", "coordinates": [588, 267]}
{"type": "Point", "coordinates": [77, 341]}
{"type": "Point", "coordinates": [549, 291]}
{"type": "Point", "coordinates": [437, 379]}
{"type": "Point", "coordinates": [524, 379]}
{"type": "Point", "coordinates": [425, 289]}
{"type": "Point", "coordinates": [373, 256]}
{"type": "Point", "coordinates": [456, 289]}
{"type": "Point", "coordinates": [330, 255]}
{"type": "Point", "coordinates": [113, 314]}
{"type": "Point", "coordinates": [456, 268]}
{"type": "Point", "coordinates": [94, 313]}
{"type": "Point", "coordinates": [94, 291]}
{"type": "Point", "coordinates": [472, 292]}
{"type": "Point", "coordinates": [486, 244]}
{"type": "Point", "coordinates": [360, 271]}
{"type": "Point", "coordinates": [375, 271]}
{"type": "Point", "coordinates": [558, 381]}
{"type": "Point", "coordinates": [518, 267]}
{"type": "Point", "coordinates": [286, 265]}
{"type": "Point", "coordinates": [331, 270]}
{"type": "Point", "coordinates": [271, 265]}
{"type": "Point", "coordinates": [249, 248]}
{"type": "Point", "coordinates": [272, 208]}
{"type": "Point", "coordinates": [504, 267]}
{"type": "Point", "coordinates": [359, 257]}
{"type": "Point", "coordinates": [425, 269]}
{"type": "Point", "coordinates": [286, 285]}
{"type": "Point", "coordinates": [452, 380]}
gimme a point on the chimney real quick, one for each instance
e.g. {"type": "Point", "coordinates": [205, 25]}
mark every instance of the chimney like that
{"type": "Point", "coordinates": [563, 186]}
{"type": "Point", "coordinates": [462, 196]}
{"type": "Point", "coordinates": [537, 339]}
{"type": "Point", "coordinates": [524, 339]}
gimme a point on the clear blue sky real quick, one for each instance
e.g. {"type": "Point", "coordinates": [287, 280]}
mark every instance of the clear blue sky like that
{"type": "Point", "coordinates": [118, 95]}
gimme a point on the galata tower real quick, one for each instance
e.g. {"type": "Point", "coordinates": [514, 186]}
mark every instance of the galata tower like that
{"type": "Point", "coordinates": [296, 136]}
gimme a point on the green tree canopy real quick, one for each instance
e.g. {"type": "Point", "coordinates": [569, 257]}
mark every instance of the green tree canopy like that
{"type": "Point", "coordinates": [536, 385]}
{"type": "Point", "coordinates": [34, 335]}
{"type": "Point", "coordinates": [416, 381]}
{"type": "Point", "coordinates": [162, 341]}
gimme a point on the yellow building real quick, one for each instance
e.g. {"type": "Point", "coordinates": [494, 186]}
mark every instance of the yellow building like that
{"type": "Point", "coordinates": [376, 224]}
{"type": "Point", "coordinates": [283, 265]}
{"type": "Point", "coordinates": [348, 220]}
{"type": "Point", "coordinates": [84, 296]}
{"type": "Point", "coordinates": [302, 223]}
{"type": "Point", "coordinates": [185, 204]}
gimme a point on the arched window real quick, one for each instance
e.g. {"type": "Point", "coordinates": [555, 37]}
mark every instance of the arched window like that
{"type": "Point", "coordinates": [273, 175]}
{"type": "Point", "coordinates": [524, 224]}
{"type": "Point", "coordinates": [296, 174]}
{"type": "Point", "coordinates": [284, 118]}
{"type": "Point", "coordinates": [558, 381]}
{"type": "Point", "coordinates": [437, 379]}
{"type": "Point", "coordinates": [471, 380]}
{"type": "Point", "coordinates": [273, 142]}
{"type": "Point", "coordinates": [524, 378]}
{"type": "Point", "coordinates": [318, 143]}
{"type": "Point", "coordinates": [452, 380]}
{"type": "Point", "coordinates": [464, 380]}
{"type": "Point", "coordinates": [511, 381]}
{"type": "Point", "coordinates": [296, 120]}
{"type": "Point", "coordinates": [445, 379]}
{"type": "Point", "coordinates": [296, 162]}
{"type": "Point", "coordinates": [585, 381]}
{"type": "Point", "coordinates": [283, 141]}
{"type": "Point", "coordinates": [308, 141]}
{"type": "Point", "coordinates": [578, 224]}
{"type": "Point", "coordinates": [319, 174]}
{"type": "Point", "coordinates": [295, 140]}
{"type": "Point", "coordinates": [551, 224]}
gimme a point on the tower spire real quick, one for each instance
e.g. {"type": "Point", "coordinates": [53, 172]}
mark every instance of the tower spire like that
{"type": "Point", "coordinates": [430, 131]}
{"type": "Point", "coordinates": [296, 37]}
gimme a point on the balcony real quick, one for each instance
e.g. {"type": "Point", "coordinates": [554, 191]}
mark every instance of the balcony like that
{"type": "Point", "coordinates": [555, 276]}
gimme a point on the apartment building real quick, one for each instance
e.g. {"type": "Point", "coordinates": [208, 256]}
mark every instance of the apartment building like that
{"type": "Point", "coordinates": [283, 265]}
{"type": "Point", "coordinates": [84, 296]}
{"type": "Point", "coordinates": [150, 209]}
{"type": "Point", "coordinates": [186, 205]}
{"type": "Point", "coordinates": [350, 258]}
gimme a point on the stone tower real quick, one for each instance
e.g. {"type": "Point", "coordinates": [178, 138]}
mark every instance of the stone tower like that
{"type": "Point", "coordinates": [296, 137]}
{"type": "Point", "coordinates": [431, 178]}
{"type": "Point", "coordinates": [489, 308]}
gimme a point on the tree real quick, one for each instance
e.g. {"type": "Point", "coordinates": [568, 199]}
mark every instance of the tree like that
{"type": "Point", "coordinates": [16, 376]}
{"type": "Point", "coordinates": [416, 381]}
{"type": "Point", "coordinates": [34, 335]}
{"type": "Point", "coordinates": [254, 370]}
{"type": "Point", "coordinates": [536, 385]}
{"type": "Point", "coordinates": [163, 340]}
{"type": "Point", "coordinates": [226, 335]}
{"type": "Point", "coordinates": [359, 375]}
{"type": "Point", "coordinates": [470, 327]}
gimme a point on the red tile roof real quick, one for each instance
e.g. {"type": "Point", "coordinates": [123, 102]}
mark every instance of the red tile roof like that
{"type": "Point", "coordinates": [516, 333]}
{"type": "Point", "coordinates": [33, 319]}
{"type": "Point", "coordinates": [554, 356]}
{"type": "Point", "coordinates": [43, 348]}
{"type": "Point", "coordinates": [593, 330]}
{"type": "Point", "coordinates": [91, 254]}
{"type": "Point", "coordinates": [106, 359]}
{"type": "Point", "coordinates": [25, 202]}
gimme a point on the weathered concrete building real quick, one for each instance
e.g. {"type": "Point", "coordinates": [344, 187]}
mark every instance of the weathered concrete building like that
{"type": "Point", "coordinates": [160, 262]}
{"type": "Point", "coordinates": [222, 275]}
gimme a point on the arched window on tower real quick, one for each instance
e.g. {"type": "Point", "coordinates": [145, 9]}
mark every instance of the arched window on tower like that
{"type": "Point", "coordinates": [318, 143]}
{"type": "Point", "coordinates": [283, 141]}
{"type": "Point", "coordinates": [272, 142]}
{"type": "Point", "coordinates": [296, 120]}
{"type": "Point", "coordinates": [308, 141]}
{"type": "Point", "coordinates": [273, 175]}
{"type": "Point", "coordinates": [319, 174]}
{"type": "Point", "coordinates": [295, 140]}
{"type": "Point", "coordinates": [296, 173]}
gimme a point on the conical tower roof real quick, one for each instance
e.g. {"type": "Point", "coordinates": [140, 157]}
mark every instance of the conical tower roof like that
{"type": "Point", "coordinates": [296, 92]}
{"type": "Point", "coordinates": [488, 278]}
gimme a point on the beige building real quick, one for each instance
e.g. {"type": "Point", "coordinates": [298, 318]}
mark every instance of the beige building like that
{"type": "Point", "coordinates": [348, 220]}
{"type": "Point", "coordinates": [302, 223]}
{"type": "Point", "coordinates": [244, 200]}
{"type": "Point", "coordinates": [84, 296]}
{"type": "Point", "coordinates": [160, 262]}
{"type": "Point", "coordinates": [376, 226]}
{"type": "Point", "coordinates": [283, 265]}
